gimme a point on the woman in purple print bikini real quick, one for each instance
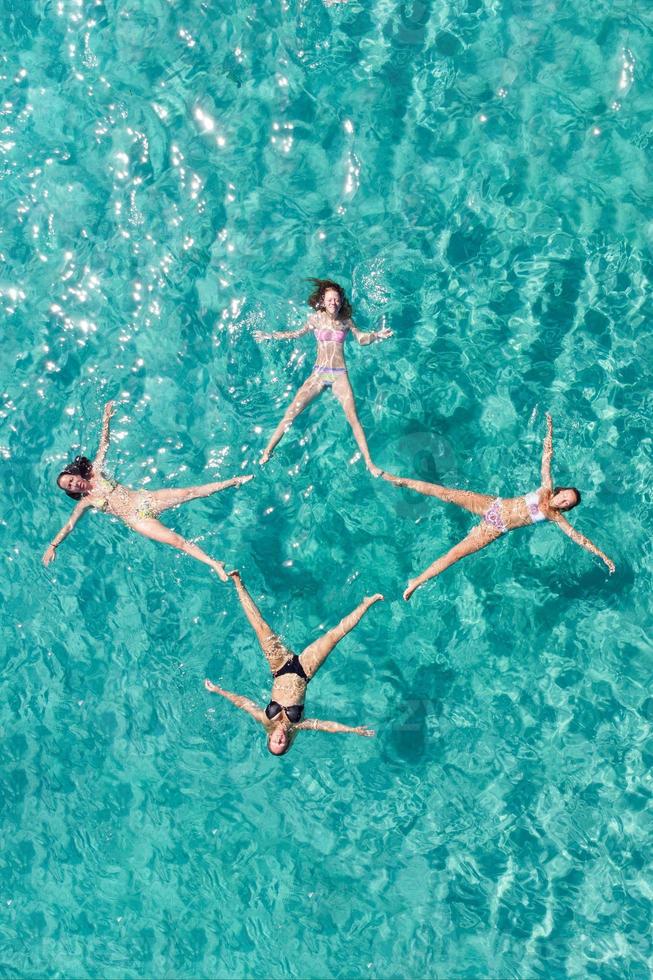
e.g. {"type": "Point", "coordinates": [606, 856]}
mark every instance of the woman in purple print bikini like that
{"type": "Point", "coordinates": [501, 515]}
{"type": "Point", "coordinates": [330, 323]}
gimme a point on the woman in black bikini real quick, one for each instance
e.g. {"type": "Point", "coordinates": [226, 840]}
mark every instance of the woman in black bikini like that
{"type": "Point", "coordinates": [283, 716]}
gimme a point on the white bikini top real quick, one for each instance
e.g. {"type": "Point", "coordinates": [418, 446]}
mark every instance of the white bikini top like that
{"type": "Point", "coordinates": [532, 501]}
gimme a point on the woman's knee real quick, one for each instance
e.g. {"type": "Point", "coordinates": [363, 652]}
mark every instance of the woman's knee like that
{"type": "Point", "coordinates": [174, 540]}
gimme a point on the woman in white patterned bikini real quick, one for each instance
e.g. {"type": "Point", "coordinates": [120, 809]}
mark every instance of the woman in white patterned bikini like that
{"type": "Point", "coordinates": [84, 481]}
{"type": "Point", "coordinates": [330, 323]}
{"type": "Point", "coordinates": [548, 503]}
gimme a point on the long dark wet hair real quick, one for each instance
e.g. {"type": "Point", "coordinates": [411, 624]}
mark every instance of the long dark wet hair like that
{"type": "Point", "coordinates": [316, 299]}
{"type": "Point", "coordinates": [80, 466]}
{"type": "Point", "coordinates": [576, 491]}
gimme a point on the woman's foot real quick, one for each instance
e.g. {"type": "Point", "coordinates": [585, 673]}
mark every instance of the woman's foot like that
{"type": "Point", "coordinates": [413, 584]}
{"type": "Point", "coordinates": [235, 575]}
{"type": "Point", "coordinates": [218, 568]}
{"type": "Point", "coordinates": [370, 600]}
{"type": "Point", "coordinates": [236, 481]}
{"type": "Point", "coordinates": [265, 456]}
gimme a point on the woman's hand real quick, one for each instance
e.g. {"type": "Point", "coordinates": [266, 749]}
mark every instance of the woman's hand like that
{"type": "Point", "coordinates": [611, 565]}
{"type": "Point", "coordinates": [259, 335]}
{"type": "Point", "coordinates": [239, 480]}
{"type": "Point", "coordinates": [383, 334]}
{"type": "Point", "coordinates": [50, 555]}
{"type": "Point", "coordinates": [365, 732]}
{"type": "Point", "coordinates": [109, 409]}
{"type": "Point", "coordinates": [212, 687]}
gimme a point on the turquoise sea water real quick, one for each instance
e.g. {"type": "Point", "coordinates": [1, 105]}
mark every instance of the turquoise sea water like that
{"type": "Point", "coordinates": [479, 173]}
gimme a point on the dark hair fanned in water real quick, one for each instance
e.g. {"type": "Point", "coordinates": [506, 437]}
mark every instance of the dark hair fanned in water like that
{"type": "Point", "coordinates": [80, 466]}
{"type": "Point", "coordinates": [316, 299]}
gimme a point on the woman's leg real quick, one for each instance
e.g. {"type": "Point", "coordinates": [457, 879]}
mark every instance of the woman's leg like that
{"type": "Point", "coordinates": [477, 503]}
{"type": "Point", "coordinates": [345, 395]}
{"type": "Point", "coordinates": [479, 537]}
{"type": "Point", "coordinates": [149, 527]}
{"type": "Point", "coordinates": [275, 652]}
{"type": "Point", "coordinates": [165, 499]}
{"type": "Point", "coordinates": [308, 391]}
{"type": "Point", "coordinates": [316, 653]}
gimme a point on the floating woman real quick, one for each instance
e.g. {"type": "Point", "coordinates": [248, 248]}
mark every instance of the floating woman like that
{"type": "Point", "coordinates": [282, 718]}
{"type": "Point", "coordinates": [502, 515]}
{"type": "Point", "coordinates": [84, 481]}
{"type": "Point", "coordinates": [330, 323]}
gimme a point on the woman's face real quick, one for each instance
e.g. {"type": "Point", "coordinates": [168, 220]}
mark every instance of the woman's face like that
{"type": "Point", "coordinates": [74, 483]}
{"type": "Point", "coordinates": [278, 740]}
{"type": "Point", "coordinates": [332, 301]}
{"type": "Point", "coordinates": [564, 500]}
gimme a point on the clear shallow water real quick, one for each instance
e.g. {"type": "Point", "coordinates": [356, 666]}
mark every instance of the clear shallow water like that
{"type": "Point", "coordinates": [479, 174]}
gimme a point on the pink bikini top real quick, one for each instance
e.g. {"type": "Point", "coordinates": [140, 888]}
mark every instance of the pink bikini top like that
{"type": "Point", "coordinates": [328, 334]}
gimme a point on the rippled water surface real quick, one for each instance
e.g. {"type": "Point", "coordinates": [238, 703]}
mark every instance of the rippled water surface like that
{"type": "Point", "coordinates": [478, 173]}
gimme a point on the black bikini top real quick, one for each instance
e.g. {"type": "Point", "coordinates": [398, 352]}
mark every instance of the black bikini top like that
{"type": "Point", "coordinates": [293, 712]}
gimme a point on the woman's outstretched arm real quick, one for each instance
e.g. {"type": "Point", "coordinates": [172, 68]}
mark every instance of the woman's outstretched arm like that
{"type": "Point", "coordinates": [384, 333]}
{"type": "Point", "coordinates": [547, 454]}
{"type": "Point", "coordinates": [237, 699]}
{"type": "Point", "coordinates": [109, 409]}
{"type": "Point", "coordinates": [51, 552]}
{"type": "Point", "coordinates": [315, 725]}
{"type": "Point", "coordinates": [260, 335]}
{"type": "Point", "coordinates": [584, 542]}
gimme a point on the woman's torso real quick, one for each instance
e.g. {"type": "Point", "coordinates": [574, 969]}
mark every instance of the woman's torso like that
{"type": "Point", "coordinates": [522, 511]}
{"type": "Point", "coordinates": [288, 689]}
{"type": "Point", "coordinates": [112, 497]}
{"type": "Point", "coordinates": [330, 336]}
{"type": "Point", "coordinates": [288, 692]}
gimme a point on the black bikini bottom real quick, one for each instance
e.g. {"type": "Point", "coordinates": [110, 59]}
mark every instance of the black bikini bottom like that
{"type": "Point", "coordinates": [292, 666]}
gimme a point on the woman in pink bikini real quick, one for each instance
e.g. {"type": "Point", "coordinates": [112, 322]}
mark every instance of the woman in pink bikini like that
{"type": "Point", "coordinates": [501, 515]}
{"type": "Point", "coordinates": [330, 323]}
